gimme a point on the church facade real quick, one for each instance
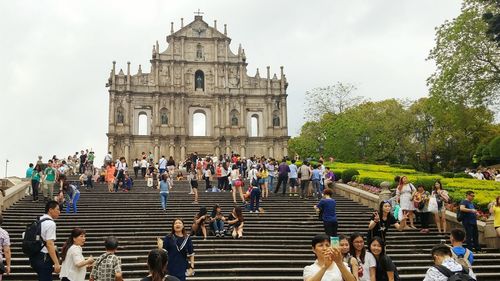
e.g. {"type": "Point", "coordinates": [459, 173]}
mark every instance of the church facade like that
{"type": "Point", "coordinates": [197, 97]}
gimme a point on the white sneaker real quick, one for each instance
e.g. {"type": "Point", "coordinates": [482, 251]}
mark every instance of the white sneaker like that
{"type": "Point", "coordinates": [256, 211]}
{"type": "Point", "coordinates": [251, 211]}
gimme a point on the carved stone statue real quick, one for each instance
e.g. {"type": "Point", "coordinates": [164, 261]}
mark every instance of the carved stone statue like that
{"type": "Point", "coordinates": [199, 82]}
{"type": "Point", "coordinates": [164, 118]}
{"type": "Point", "coordinates": [234, 120]}
{"type": "Point", "coordinates": [119, 118]}
{"type": "Point", "coordinates": [276, 121]}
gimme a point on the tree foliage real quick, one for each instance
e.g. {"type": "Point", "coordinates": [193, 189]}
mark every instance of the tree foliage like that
{"type": "Point", "coordinates": [427, 134]}
{"type": "Point", "coordinates": [330, 99]}
{"type": "Point", "coordinates": [468, 62]}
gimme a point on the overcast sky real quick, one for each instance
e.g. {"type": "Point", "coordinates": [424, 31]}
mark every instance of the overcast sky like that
{"type": "Point", "coordinates": [55, 57]}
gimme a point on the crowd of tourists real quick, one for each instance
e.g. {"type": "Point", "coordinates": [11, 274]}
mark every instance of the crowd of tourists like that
{"type": "Point", "coordinates": [484, 173]}
{"type": "Point", "coordinates": [251, 181]}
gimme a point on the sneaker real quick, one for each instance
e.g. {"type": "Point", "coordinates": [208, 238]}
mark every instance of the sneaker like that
{"type": "Point", "coordinates": [251, 211]}
{"type": "Point", "coordinates": [256, 211]}
{"type": "Point", "coordinates": [295, 194]}
{"type": "Point", "coordinates": [290, 194]}
{"type": "Point", "coordinates": [217, 235]}
{"type": "Point", "coordinates": [221, 234]}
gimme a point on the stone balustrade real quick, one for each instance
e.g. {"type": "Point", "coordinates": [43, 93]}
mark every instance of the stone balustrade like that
{"type": "Point", "coordinates": [14, 190]}
{"type": "Point", "coordinates": [487, 234]}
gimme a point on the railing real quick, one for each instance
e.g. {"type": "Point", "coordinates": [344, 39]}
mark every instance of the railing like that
{"type": "Point", "coordinates": [487, 233]}
{"type": "Point", "coordinates": [14, 189]}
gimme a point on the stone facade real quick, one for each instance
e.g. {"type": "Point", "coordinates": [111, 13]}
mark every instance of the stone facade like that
{"type": "Point", "coordinates": [197, 73]}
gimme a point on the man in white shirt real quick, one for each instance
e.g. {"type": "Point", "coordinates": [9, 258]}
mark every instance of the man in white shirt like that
{"type": "Point", "coordinates": [162, 165]}
{"type": "Point", "coordinates": [445, 266]}
{"type": "Point", "coordinates": [46, 262]}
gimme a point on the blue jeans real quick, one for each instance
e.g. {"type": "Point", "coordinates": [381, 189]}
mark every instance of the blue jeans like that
{"type": "Point", "coordinates": [73, 203]}
{"type": "Point", "coordinates": [43, 266]}
{"type": "Point", "coordinates": [270, 180]}
{"type": "Point", "coordinates": [164, 199]}
{"type": "Point", "coordinates": [317, 188]}
{"type": "Point", "coordinates": [471, 236]}
{"type": "Point", "coordinates": [218, 226]}
{"type": "Point", "coordinates": [254, 199]}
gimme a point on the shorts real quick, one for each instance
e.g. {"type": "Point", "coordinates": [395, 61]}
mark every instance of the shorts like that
{"type": "Point", "coordinates": [194, 184]}
{"type": "Point", "coordinates": [293, 182]}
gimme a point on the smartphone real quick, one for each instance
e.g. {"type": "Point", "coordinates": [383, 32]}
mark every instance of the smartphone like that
{"type": "Point", "coordinates": [334, 241]}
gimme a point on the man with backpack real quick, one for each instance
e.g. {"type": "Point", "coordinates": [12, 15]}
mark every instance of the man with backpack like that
{"type": "Point", "coordinates": [469, 221]}
{"type": "Point", "coordinates": [108, 267]}
{"type": "Point", "coordinates": [445, 268]}
{"type": "Point", "coordinates": [45, 261]}
{"type": "Point", "coordinates": [458, 251]}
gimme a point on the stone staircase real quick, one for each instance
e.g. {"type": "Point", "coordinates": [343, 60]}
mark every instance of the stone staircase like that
{"type": "Point", "coordinates": [276, 244]}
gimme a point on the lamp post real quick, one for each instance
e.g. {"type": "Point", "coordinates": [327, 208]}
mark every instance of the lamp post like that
{"type": "Point", "coordinates": [6, 165]}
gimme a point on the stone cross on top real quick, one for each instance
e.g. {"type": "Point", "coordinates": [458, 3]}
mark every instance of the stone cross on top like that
{"type": "Point", "coordinates": [199, 13]}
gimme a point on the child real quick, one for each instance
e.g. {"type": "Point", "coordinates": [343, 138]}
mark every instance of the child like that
{"type": "Point", "coordinates": [108, 265]}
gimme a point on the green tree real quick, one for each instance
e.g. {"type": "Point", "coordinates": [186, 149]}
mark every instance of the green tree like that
{"type": "Point", "coordinates": [468, 62]}
{"type": "Point", "coordinates": [330, 99]}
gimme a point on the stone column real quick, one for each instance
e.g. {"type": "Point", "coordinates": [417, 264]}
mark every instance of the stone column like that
{"type": "Point", "coordinates": [182, 112]}
{"type": "Point", "coordinates": [284, 118]}
{"type": "Point", "coordinates": [242, 148]}
{"type": "Point", "coordinates": [228, 146]}
{"type": "Point", "coordinates": [171, 147]}
{"type": "Point", "coordinates": [216, 58]}
{"type": "Point", "coordinates": [156, 150]}
{"type": "Point", "coordinates": [183, 152]}
{"type": "Point", "coordinates": [127, 151]}
{"type": "Point", "coordinates": [171, 73]}
{"type": "Point", "coordinates": [156, 115]}
{"type": "Point", "coordinates": [111, 147]}
{"type": "Point", "coordinates": [226, 114]}
{"type": "Point", "coordinates": [112, 112]}
{"type": "Point", "coordinates": [182, 48]}
{"type": "Point", "coordinates": [285, 148]}
{"type": "Point", "coordinates": [217, 151]}
{"type": "Point", "coordinates": [270, 151]}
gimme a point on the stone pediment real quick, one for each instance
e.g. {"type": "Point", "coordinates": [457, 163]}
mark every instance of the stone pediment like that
{"type": "Point", "coordinates": [199, 29]}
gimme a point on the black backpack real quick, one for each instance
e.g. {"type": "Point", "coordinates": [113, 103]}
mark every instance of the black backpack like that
{"type": "Point", "coordinates": [32, 239]}
{"type": "Point", "coordinates": [462, 275]}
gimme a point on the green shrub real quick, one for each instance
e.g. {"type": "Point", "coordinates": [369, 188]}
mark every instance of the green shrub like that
{"type": "Point", "coordinates": [426, 182]}
{"type": "Point", "coordinates": [448, 175]}
{"type": "Point", "coordinates": [348, 174]}
{"type": "Point", "coordinates": [463, 175]}
{"type": "Point", "coordinates": [338, 174]}
{"type": "Point", "coordinates": [494, 147]}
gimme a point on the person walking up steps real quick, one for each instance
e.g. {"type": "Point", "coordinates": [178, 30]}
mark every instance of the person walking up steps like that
{"type": "Point", "coordinates": [283, 171]}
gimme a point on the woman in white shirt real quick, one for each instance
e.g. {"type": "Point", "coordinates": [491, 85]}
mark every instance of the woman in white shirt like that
{"type": "Point", "coordinates": [329, 265]}
{"type": "Point", "coordinates": [74, 265]}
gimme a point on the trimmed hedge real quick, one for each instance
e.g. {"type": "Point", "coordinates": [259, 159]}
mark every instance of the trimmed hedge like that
{"type": "Point", "coordinates": [463, 175]}
{"type": "Point", "coordinates": [348, 174]}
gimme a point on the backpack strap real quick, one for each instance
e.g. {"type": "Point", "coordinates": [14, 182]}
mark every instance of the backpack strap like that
{"type": "Point", "coordinates": [444, 270]}
{"type": "Point", "coordinates": [39, 229]}
{"type": "Point", "coordinates": [467, 254]}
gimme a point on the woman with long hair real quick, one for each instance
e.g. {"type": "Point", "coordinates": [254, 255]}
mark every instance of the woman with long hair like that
{"type": "Point", "coordinates": [404, 193]}
{"type": "Point", "coordinates": [385, 269]}
{"type": "Point", "coordinates": [179, 247]}
{"type": "Point", "coordinates": [366, 261]}
{"type": "Point", "coordinates": [382, 220]}
{"type": "Point", "coordinates": [236, 221]}
{"type": "Point", "coordinates": [199, 223]}
{"type": "Point", "coordinates": [157, 265]}
{"type": "Point", "coordinates": [110, 175]}
{"type": "Point", "coordinates": [348, 259]}
{"type": "Point", "coordinates": [442, 198]}
{"type": "Point", "coordinates": [264, 175]}
{"type": "Point", "coordinates": [495, 211]}
{"type": "Point", "coordinates": [74, 265]}
{"type": "Point", "coordinates": [329, 265]}
{"type": "Point", "coordinates": [217, 220]}
{"type": "Point", "coordinates": [71, 194]}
